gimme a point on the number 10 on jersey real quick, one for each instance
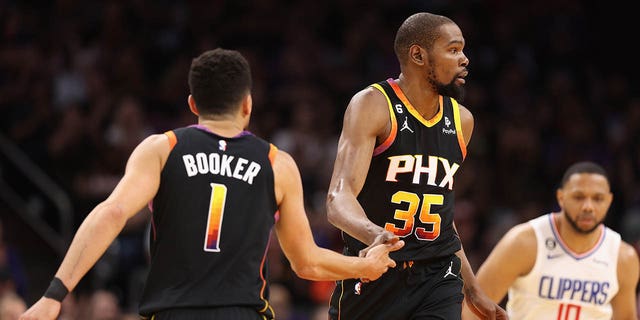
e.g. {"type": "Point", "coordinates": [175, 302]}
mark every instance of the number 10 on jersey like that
{"type": "Point", "coordinates": [569, 311]}
{"type": "Point", "coordinates": [214, 220]}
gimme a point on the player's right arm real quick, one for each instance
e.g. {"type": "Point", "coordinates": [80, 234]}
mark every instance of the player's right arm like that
{"type": "Point", "coordinates": [500, 270]}
{"type": "Point", "coordinates": [366, 121]}
{"type": "Point", "coordinates": [296, 240]}
{"type": "Point", "coordinates": [98, 230]}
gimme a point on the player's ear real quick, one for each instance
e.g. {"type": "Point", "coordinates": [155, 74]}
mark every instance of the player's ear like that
{"type": "Point", "coordinates": [247, 105]}
{"type": "Point", "coordinates": [192, 105]}
{"type": "Point", "coordinates": [417, 55]}
{"type": "Point", "coordinates": [560, 197]}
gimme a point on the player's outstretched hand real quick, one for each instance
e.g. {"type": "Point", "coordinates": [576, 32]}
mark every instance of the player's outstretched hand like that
{"type": "Point", "coordinates": [380, 260]}
{"type": "Point", "coordinates": [483, 307]}
{"type": "Point", "coordinates": [44, 309]}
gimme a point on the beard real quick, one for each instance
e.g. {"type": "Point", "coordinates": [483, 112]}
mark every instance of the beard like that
{"type": "Point", "coordinates": [574, 224]}
{"type": "Point", "coordinates": [450, 89]}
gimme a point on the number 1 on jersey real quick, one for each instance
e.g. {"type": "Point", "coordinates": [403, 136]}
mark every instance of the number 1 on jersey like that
{"type": "Point", "coordinates": [214, 221]}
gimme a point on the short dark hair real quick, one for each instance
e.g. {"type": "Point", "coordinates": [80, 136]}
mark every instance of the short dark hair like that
{"type": "Point", "coordinates": [421, 29]}
{"type": "Point", "coordinates": [583, 167]}
{"type": "Point", "coordinates": [218, 80]}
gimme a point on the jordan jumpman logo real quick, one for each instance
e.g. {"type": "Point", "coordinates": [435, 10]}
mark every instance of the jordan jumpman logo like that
{"type": "Point", "coordinates": [405, 125]}
{"type": "Point", "coordinates": [449, 271]}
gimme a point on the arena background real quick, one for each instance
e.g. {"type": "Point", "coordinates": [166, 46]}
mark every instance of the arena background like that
{"type": "Point", "coordinates": [82, 82]}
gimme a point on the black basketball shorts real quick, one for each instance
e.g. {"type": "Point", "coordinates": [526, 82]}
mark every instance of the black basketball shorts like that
{"type": "Point", "coordinates": [222, 313]}
{"type": "Point", "coordinates": [412, 290]}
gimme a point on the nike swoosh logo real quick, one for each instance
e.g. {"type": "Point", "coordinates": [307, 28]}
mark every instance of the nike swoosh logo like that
{"type": "Point", "coordinates": [601, 262]}
{"type": "Point", "coordinates": [553, 256]}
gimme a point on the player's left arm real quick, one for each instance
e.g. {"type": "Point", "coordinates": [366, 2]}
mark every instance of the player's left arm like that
{"type": "Point", "coordinates": [467, 122]}
{"type": "Point", "coordinates": [480, 302]}
{"type": "Point", "coordinates": [477, 301]}
{"type": "Point", "coordinates": [624, 303]}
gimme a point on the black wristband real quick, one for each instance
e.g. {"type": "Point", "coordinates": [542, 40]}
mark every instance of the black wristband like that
{"type": "Point", "coordinates": [57, 290]}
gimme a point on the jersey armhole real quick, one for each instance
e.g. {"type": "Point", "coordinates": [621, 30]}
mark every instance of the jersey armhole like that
{"type": "Point", "coordinates": [394, 124]}
{"type": "Point", "coordinates": [273, 151]}
{"type": "Point", "coordinates": [458, 123]}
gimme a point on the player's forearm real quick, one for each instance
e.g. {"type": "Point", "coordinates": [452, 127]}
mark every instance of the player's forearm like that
{"type": "Point", "coordinates": [466, 271]}
{"type": "Point", "coordinates": [345, 213]}
{"type": "Point", "coordinates": [92, 239]}
{"type": "Point", "coordinates": [327, 265]}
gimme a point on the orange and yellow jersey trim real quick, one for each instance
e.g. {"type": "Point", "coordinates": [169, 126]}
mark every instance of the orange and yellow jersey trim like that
{"type": "Point", "coordinates": [273, 151]}
{"type": "Point", "coordinates": [173, 140]}
{"type": "Point", "coordinates": [394, 124]}
{"type": "Point", "coordinates": [267, 305]}
{"type": "Point", "coordinates": [412, 110]}
{"type": "Point", "coordinates": [458, 123]}
{"type": "Point", "coordinates": [430, 122]}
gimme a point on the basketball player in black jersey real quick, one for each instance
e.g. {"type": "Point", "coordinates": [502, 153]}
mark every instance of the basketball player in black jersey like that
{"type": "Point", "coordinates": [215, 191]}
{"type": "Point", "coordinates": [394, 177]}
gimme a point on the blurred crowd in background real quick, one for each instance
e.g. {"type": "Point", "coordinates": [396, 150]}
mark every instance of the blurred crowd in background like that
{"type": "Point", "coordinates": [83, 82]}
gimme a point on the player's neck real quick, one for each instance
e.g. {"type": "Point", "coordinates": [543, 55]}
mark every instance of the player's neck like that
{"type": "Point", "coordinates": [420, 94]}
{"type": "Point", "coordinates": [227, 128]}
{"type": "Point", "coordinates": [576, 241]}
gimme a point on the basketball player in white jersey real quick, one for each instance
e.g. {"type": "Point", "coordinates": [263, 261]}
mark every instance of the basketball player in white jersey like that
{"type": "Point", "coordinates": [565, 265]}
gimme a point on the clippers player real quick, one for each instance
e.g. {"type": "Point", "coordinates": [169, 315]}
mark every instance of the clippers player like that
{"type": "Point", "coordinates": [566, 265]}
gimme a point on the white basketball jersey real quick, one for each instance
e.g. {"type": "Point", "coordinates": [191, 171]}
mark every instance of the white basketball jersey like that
{"type": "Point", "coordinates": [564, 285]}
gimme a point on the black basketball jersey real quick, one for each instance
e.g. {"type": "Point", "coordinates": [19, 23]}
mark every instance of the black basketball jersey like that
{"type": "Point", "coordinates": [409, 186]}
{"type": "Point", "coordinates": [212, 219]}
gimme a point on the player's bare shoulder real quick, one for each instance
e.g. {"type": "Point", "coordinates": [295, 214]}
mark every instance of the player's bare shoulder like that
{"type": "Point", "coordinates": [286, 175]}
{"type": "Point", "coordinates": [628, 261]}
{"type": "Point", "coordinates": [284, 164]}
{"type": "Point", "coordinates": [370, 104]}
{"type": "Point", "coordinates": [522, 236]}
{"type": "Point", "coordinates": [368, 94]}
{"type": "Point", "coordinates": [520, 241]}
{"type": "Point", "coordinates": [160, 145]}
{"type": "Point", "coordinates": [161, 140]}
{"type": "Point", "coordinates": [465, 115]}
{"type": "Point", "coordinates": [155, 147]}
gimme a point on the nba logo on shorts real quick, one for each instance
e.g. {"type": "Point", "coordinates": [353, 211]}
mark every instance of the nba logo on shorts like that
{"type": "Point", "coordinates": [357, 287]}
